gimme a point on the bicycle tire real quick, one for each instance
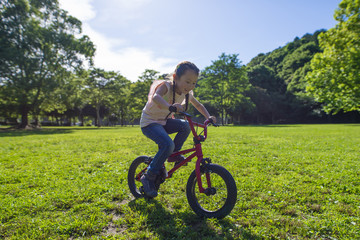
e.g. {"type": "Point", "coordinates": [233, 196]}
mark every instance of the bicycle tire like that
{"type": "Point", "coordinates": [134, 169]}
{"type": "Point", "coordinates": [216, 205]}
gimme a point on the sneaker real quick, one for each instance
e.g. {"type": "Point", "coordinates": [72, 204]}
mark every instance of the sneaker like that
{"type": "Point", "coordinates": [177, 158]}
{"type": "Point", "coordinates": [148, 181]}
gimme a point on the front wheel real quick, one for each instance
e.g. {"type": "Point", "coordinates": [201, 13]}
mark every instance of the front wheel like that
{"type": "Point", "coordinates": [219, 200]}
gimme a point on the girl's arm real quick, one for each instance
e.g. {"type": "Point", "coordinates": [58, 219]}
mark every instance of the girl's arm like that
{"type": "Point", "coordinates": [201, 108]}
{"type": "Point", "coordinates": [159, 100]}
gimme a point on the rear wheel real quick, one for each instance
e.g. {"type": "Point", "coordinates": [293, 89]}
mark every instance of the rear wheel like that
{"type": "Point", "coordinates": [219, 199]}
{"type": "Point", "coordinates": [136, 171]}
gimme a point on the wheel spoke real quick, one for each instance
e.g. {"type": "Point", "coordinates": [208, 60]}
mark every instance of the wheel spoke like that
{"type": "Point", "coordinates": [222, 201]}
{"type": "Point", "coordinates": [214, 202]}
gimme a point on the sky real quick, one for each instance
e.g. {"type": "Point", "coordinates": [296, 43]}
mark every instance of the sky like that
{"type": "Point", "coordinates": [133, 35]}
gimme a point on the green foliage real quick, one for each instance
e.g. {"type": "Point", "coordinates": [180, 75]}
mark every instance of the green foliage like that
{"type": "Point", "coordinates": [140, 90]}
{"type": "Point", "coordinates": [38, 49]}
{"type": "Point", "coordinates": [294, 182]}
{"type": "Point", "coordinates": [105, 88]}
{"type": "Point", "coordinates": [42, 51]}
{"type": "Point", "coordinates": [335, 76]}
{"type": "Point", "coordinates": [223, 85]}
{"type": "Point", "coordinates": [64, 98]}
{"type": "Point", "coordinates": [279, 81]}
{"type": "Point", "coordinates": [264, 77]}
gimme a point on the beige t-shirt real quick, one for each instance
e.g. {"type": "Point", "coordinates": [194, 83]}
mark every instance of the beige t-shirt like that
{"type": "Point", "coordinates": [153, 113]}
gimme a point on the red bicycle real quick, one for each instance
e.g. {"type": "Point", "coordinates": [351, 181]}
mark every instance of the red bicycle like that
{"type": "Point", "coordinates": [211, 190]}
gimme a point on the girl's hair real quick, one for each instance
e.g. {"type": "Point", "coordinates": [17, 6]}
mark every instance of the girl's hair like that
{"type": "Point", "coordinates": [182, 67]}
{"type": "Point", "coordinates": [180, 70]}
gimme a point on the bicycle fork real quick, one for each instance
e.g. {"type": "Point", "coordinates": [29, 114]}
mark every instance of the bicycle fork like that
{"type": "Point", "coordinates": [203, 161]}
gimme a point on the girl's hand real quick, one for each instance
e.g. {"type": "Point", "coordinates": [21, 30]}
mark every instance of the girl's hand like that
{"type": "Point", "coordinates": [213, 118]}
{"type": "Point", "coordinates": [179, 107]}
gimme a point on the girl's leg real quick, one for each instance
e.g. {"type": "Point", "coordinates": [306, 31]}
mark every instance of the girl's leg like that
{"type": "Point", "coordinates": [157, 133]}
{"type": "Point", "coordinates": [181, 127]}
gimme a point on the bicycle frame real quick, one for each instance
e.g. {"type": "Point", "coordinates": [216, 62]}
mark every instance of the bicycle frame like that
{"type": "Point", "coordinates": [197, 152]}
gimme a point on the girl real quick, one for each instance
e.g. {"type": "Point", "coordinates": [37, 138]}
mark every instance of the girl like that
{"type": "Point", "coordinates": [166, 97]}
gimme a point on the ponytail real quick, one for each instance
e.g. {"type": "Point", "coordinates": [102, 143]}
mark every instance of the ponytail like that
{"type": "Point", "coordinates": [186, 97]}
{"type": "Point", "coordinates": [173, 101]}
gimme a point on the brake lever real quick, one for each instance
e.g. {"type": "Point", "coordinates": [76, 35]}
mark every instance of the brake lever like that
{"type": "Point", "coordinates": [215, 125]}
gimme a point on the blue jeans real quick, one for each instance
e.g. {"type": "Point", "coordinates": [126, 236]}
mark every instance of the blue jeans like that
{"type": "Point", "coordinates": [160, 135]}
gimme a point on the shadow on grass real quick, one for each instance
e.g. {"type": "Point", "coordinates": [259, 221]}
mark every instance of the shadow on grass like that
{"type": "Point", "coordinates": [12, 132]}
{"type": "Point", "coordinates": [266, 126]}
{"type": "Point", "coordinates": [21, 133]}
{"type": "Point", "coordinates": [186, 225]}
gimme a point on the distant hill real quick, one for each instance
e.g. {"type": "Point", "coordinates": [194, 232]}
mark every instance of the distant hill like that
{"type": "Point", "coordinates": [279, 84]}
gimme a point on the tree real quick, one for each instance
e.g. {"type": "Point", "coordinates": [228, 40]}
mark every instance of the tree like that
{"type": "Point", "coordinates": [66, 100]}
{"type": "Point", "coordinates": [279, 81]}
{"type": "Point", "coordinates": [223, 84]}
{"type": "Point", "coordinates": [103, 88]}
{"type": "Point", "coordinates": [335, 76]}
{"type": "Point", "coordinates": [38, 50]}
{"type": "Point", "coordinates": [140, 90]}
{"type": "Point", "coordinates": [266, 92]}
{"type": "Point", "coordinates": [119, 98]}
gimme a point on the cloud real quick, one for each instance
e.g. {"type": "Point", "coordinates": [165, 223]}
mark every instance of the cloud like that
{"type": "Point", "coordinates": [133, 62]}
{"type": "Point", "coordinates": [116, 54]}
{"type": "Point", "coordinates": [113, 54]}
{"type": "Point", "coordinates": [81, 9]}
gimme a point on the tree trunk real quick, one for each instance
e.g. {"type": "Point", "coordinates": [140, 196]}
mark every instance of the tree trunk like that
{"type": "Point", "coordinates": [222, 117]}
{"type": "Point", "coordinates": [81, 117]}
{"type": "Point", "coordinates": [37, 121]}
{"type": "Point", "coordinates": [122, 119]}
{"type": "Point", "coordinates": [24, 117]}
{"type": "Point", "coordinates": [98, 120]}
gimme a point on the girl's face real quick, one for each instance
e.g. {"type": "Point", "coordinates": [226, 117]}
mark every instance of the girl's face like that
{"type": "Point", "coordinates": [186, 82]}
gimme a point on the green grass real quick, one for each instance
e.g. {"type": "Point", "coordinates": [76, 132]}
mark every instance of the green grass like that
{"type": "Point", "coordinates": [294, 182]}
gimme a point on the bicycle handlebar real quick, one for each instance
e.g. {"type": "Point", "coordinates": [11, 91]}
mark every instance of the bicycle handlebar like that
{"type": "Point", "coordinates": [207, 122]}
{"type": "Point", "coordinates": [204, 125]}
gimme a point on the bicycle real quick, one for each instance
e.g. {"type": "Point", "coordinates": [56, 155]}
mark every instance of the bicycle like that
{"type": "Point", "coordinates": [215, 200]}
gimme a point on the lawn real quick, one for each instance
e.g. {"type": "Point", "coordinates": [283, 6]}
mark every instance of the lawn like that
{"type": "Point", "coordinates": [294, 182]}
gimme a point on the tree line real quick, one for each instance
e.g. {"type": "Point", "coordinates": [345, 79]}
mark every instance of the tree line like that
{"type": "Point", "coordinates": [47, 73]}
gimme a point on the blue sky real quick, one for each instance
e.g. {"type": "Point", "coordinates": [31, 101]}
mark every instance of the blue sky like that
{"type": "Point", "coordinates": [134, 35]}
